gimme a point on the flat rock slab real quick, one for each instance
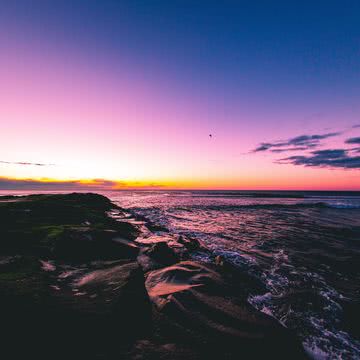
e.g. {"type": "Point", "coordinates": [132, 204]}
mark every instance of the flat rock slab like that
{"type": "Point", "coordinates": [156, 238]}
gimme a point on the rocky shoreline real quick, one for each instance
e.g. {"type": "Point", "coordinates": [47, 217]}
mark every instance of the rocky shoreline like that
{"type": "Point", "coordinates": [82, 278]}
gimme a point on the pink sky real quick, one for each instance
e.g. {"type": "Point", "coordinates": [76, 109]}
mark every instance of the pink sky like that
{"type": "Point", "coordinates": [94, 120]}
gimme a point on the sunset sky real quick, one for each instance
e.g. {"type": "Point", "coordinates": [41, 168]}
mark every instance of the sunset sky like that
{"type": "Point", "coordinates": [124, 94]}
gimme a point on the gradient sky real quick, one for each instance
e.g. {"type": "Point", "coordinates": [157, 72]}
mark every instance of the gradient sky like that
{"type": "Point", "coordinates": [127, 92]}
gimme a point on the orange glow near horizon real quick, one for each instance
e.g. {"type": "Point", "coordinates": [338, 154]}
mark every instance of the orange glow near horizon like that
{"type": "Point", "coordinates": [334, 183]}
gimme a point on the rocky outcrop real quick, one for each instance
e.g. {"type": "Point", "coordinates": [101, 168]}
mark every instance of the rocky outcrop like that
{"type": "Point", "coordinates": [155, 350]}
{"type": "Point", "coordinates": [193, 301]}
{"type": "Point", "coordinates": [84, 244]}
{"type": "Point", "coordinates": [78, 283]}
{"type": "Point", "coordinates": [69, 279]}
{"type": "Point", "coordinates": [157, 256]}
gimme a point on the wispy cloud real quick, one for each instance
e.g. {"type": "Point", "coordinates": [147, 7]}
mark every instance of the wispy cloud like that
{"type": "Point", "coordinates": [354, 140]}
{"type": "Point", "coordinates": [302, 142]}
{"type": "Point", "coordinates": [24, 163]}
{"type": "Point", "coordinates": [330, 158]}
{"type": "Point", "coordinates": [296, 148]}
{"type": "Point", "coordinates": [356, 126]}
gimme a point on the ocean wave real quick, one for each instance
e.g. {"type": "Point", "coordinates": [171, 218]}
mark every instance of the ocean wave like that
{"type": "Point", "coordinates": [303, 252]}
{"type": "Point", "coordinates": [245, 195]}
{"type": "Point", "coordinates": [344, 206]}
{"type": "Point", "coordinates": [271, 206]}
{"type": "Point", "coordinates": [266, 194]}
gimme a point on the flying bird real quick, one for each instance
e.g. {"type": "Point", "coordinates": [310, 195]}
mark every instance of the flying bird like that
{"type": "Point", "coordinates": [210, 136]}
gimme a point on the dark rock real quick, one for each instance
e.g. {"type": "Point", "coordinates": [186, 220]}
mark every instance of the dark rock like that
{"type": "Point", "coordinates": [190, 243]}
{"type": "Point", "coordinates": [152, 350]}
{"type": "Point", "coordinates": [97, 316]}
{"type": "Point", "coordinates": [180, 249]}
{"type": "Point", "coordinates": [31, 223]}
{"type": "Point", "coordinates": [54, 305]}
{"type": "Point", "coordinates": [193, 301]}
{"type": "Point", "coordinates": [157, 256]}
{"type": "Point", "coordinates": [117, 290]}
{"type": "Point", "coordinates": [156, 228]}
{"type": "Point", "coordinates": [250, 283]}
{"type": "Point", "coordinates": [351, 311]}
{"type": "Point", "coordinates": [147, 263]}
{"type": "Point", "coordinates": [162, 253]}
{"type": "Point", "coordinates": [83, 245]}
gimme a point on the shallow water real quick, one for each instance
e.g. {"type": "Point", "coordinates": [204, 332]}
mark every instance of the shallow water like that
{"type": "Point", "coordinates": [304, 246]}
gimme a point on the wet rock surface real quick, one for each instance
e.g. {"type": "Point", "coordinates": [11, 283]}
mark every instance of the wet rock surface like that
{"type": "Point", "coordinates": [195, 302]}
{"type": "Point", "coordinates": [79, 279]}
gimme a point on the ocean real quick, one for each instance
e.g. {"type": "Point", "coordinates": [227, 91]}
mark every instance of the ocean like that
{"type": "Point", "coordinates": [303, 246]}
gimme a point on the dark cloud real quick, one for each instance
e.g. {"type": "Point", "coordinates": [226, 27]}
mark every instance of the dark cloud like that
{"type": "Point", "coordinates": [310, 139]}
{"type": "Point", "coordinates": [302, 142]}
{"type": "Point", "coordinates": [263, 147]}
{"type": "Point", "coordinates": [354, 140]}
{"type": "Point", "coordinates": [24, 163]}
{"type": "Point", "coordinates": [356, 126]}
{"type": "Point", "coordinates": [298, 148]}
{"type": "Point", "coordinates": [331, 158]}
